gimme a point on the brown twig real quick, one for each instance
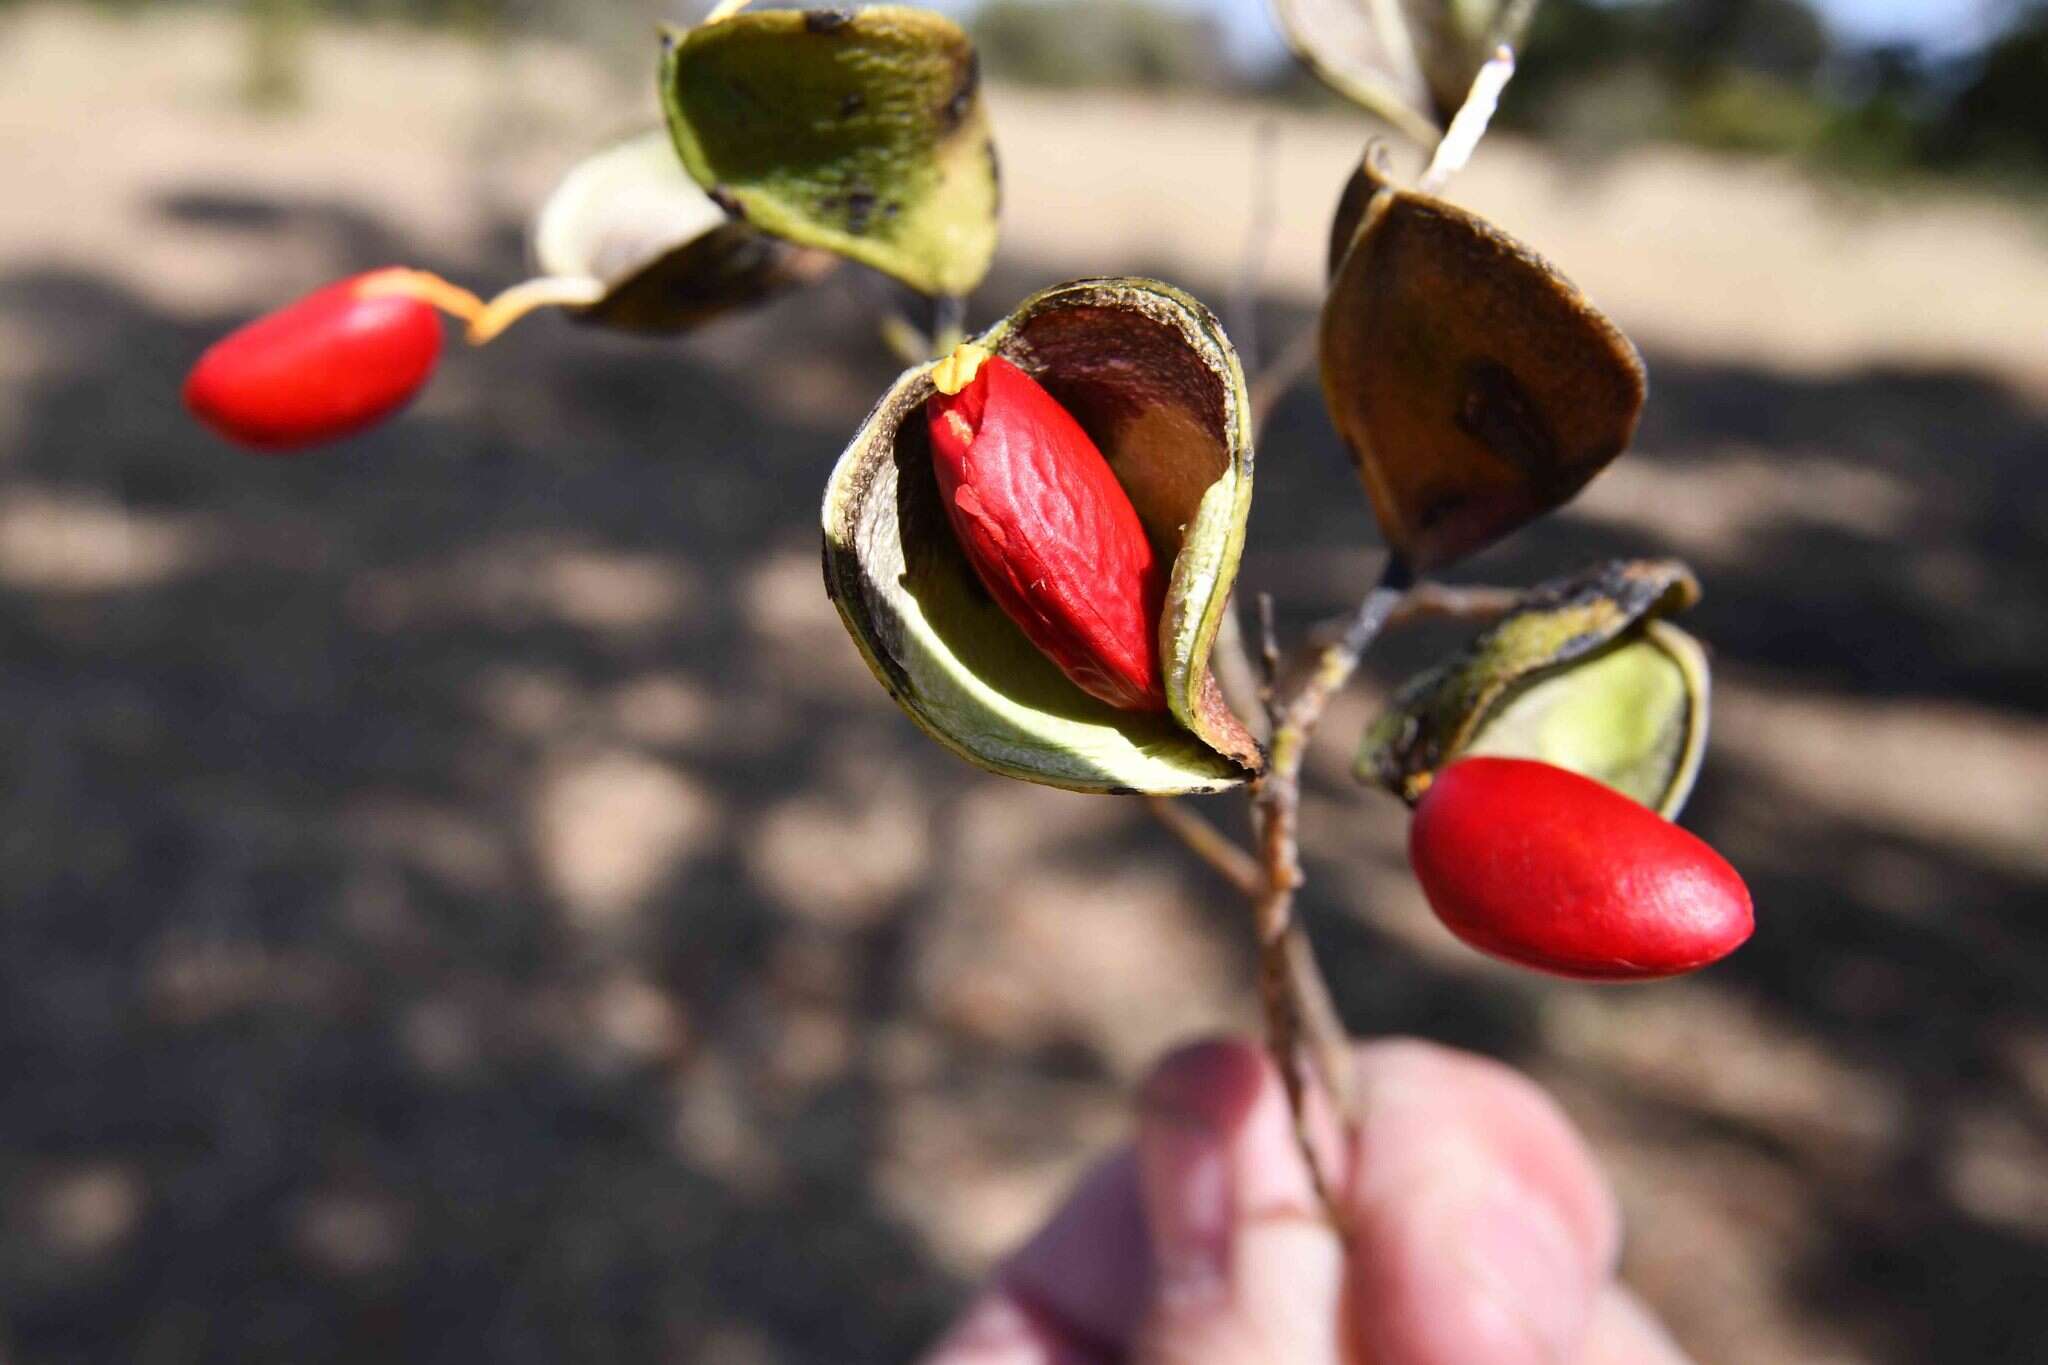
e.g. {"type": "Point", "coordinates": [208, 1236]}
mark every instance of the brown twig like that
{"type": "Point", "coordinates": [1258, 237]}
{"type": "Point", "coordinates": [1433, 602]}
{"type": "Point", "coordinates": [1301, 1025]}
{"type": "Point", "coordinates": [1278, 378]}
{"type": "Point", "coordinates": [1230, 859]}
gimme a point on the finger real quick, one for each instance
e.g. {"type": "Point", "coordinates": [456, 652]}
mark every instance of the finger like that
{"type": "Point", "coordinates": [1246, 1267]}
{"type": "Point", "coordinates": [1090, 1268]}
{"type": "Point", "coordinates": [1483, 1229]}
{"type": "Point", "coordinates": [1002, 1329]}
{"type": "Point", "coordinates": [1074, 1293]}
{"type": "Point", "coordinates": [1624, 1333]}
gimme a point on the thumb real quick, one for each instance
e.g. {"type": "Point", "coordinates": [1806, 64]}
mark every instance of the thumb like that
{"type": "Point", "coordinates": [1245, 1266]}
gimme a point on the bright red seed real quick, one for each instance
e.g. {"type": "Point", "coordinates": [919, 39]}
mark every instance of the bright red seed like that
{"type": "Point", "coordinates": [343, 358]}
{"type": "Point", "coordinates": [1051, 533]}
{"type": "Point", "coordinates": [1551, 870]}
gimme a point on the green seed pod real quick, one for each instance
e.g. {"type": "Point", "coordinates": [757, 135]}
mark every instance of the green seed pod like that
{"type": "Point", "coordinates": [1148, 374]}
{"type": "Point", "coordinates": [1582, 675]}
{"type": "Point", "coordinates": [628, 240]}
{"type": "Point", "coordinates": [1476, 387]}
{"type": "Point", "coordinates": [861, 132]}
{"type": "Point", "coordinates": [1409, 61]}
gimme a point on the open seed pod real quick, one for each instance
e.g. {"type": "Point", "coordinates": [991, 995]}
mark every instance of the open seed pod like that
{"type": "Point", "coordinates": [1148, 374]}
{"type": "Point", "coordinates": [1409, 61]}
{"type": "Point", "coordinates": [629, 240]}
{"type": "Point", "coordinates": [1582, 675]}
{"type": "Point", "coordinates": [1476, 387]}
{"type": "Point", "coordinates": [861, 132]}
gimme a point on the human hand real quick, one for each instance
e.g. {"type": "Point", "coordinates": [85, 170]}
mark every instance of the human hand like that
{"type": "Point", "coordinates": [1482, 1233]}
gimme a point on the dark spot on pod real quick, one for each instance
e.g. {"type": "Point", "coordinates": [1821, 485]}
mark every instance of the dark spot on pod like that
{"type": "Point", "coordinates": [723, 197]}
{"type": "Point", "coordinates": [995, 171]}
{"type": "Point", "coordinates": [1496, 411]}
{"type": "Point", "coordinates": [962, 98]}
{"type": "Point", "coordinates": [826, 20]}
{"type": "Point", "coordinates": [891, 209]}
{"type": "Point", "coordinates": [852, 103]}
{"type": "Point", "coordinates": [860, 211]}
{"type": "Point", "coordinates": [1124, 791]}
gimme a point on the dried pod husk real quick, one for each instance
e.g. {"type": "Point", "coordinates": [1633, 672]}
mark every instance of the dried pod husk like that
{"type": "Point", "coordinates": [1149, 375]}
{"type": "Point", "coordinates": [667, 257]}
{"type": "Point", "coordinates": [1409, 61]}
{"type": "Point", "coordinates": [1581, 676]}
{"type": "Point", "coordinates": [629, 241]}
{"type": "Point", "coordinates": [861, 132]}
{"type": "Point", "coordinates": [1475, 386]}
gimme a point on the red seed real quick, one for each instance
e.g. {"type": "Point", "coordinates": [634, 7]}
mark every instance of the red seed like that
{"type": "Point", "coordinates": [1551, 870]}
{"type": "Point", "coordinates": [343, 358]}
{"type": "Point", "coordinates": [1051, 533]}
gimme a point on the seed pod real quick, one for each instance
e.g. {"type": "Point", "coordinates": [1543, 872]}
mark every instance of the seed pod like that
{"type": "Point", "coordinates": [1581, 674]}
{"type": "Point", "coordinates": [1147, 374]}
{"type": "Point", "coordinates": [341, 359]}
{"type": "Point", "coordinates": [630, 242]}
{"type": "Point", "coordinates": [1409, 61]}
{"type": "Point", "coordinates": [859, 131]}
{"type": "Point", "coordinates": [1050, 532]}
{"type": "Point", "coordinates": [1476, 387]}
{"type": "Point", "coordinates": [1550, 870]}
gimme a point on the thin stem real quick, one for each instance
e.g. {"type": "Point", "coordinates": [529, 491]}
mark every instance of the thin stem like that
{"type": "Point", "coordinates": [549, 291]}
{"type": "Point", "coordinates": [1221, 852]}
{"type": "Point", "coordinates": [1258, 237]}
{"type": "Point", "coordinates": [1435, 602]}
{"type": "Point", "coordinates": [1278, 379]}
{"type": "Point", "coordinates": [1300, 1021]}
{"type": "Point", "coordinates": [1269, 657]}
{"type": "Point", "coordinates": [1461, 139]}
{"type": "Point", "coordinates": [949, 323]}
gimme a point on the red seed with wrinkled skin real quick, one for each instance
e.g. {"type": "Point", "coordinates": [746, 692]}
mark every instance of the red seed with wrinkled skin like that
{"type": "Point", "coordinates": [1051, 533]}
{"type": "Point", "coordinates": [341, 359]}
{"type": "Point", "coordinates": [1551, 870]}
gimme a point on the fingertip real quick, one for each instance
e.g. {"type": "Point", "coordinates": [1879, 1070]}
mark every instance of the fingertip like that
{"type": "Point", "coordinates": [1485, 1231]}
{"type": "Point", "coordinates": [1003, 1329]}
{"type": "Point", "coordinates": [1624, 1332]}
{"type": "Point", "coordinates": [1090, 1266]}
{"type": "Point", "coordinates": [1212, 1084]}
{"type": "Point", "coordinates": [1412, 1087]}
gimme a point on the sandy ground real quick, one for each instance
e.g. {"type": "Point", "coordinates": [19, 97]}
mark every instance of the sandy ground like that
{"type": "Point", "coordinates": [464, 898]}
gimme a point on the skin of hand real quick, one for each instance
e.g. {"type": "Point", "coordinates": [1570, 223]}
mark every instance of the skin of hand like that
{"type": "Point", "coordinates": [1482, 1232]}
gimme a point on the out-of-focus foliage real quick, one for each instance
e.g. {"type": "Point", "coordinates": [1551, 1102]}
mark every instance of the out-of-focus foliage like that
{"type": "Point", "coordinates": [1764, 75]}
{"type": "Point", "coordinates": [1099, 42]}
{"type": "Point", "coordinates": [2001, 114]}
{"type": "Point", "coordinates": [1743, 75]}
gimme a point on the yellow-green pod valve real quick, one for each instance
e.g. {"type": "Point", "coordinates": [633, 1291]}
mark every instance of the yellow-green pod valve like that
{"type": "Point", "coordinates": [628, 240]}
{"type": "Point", "coordinates": [1148, 375]}
{"type": "Point", "coordinates": [1475, 386]}
{"type": "Point", "coordinates": [1582, 675]}
{"type": "Point", "coordinates": [861, 132]}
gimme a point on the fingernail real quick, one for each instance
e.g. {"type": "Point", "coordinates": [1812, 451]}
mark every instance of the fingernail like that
{"type": "Point", "coordinates": [1525, 1265]}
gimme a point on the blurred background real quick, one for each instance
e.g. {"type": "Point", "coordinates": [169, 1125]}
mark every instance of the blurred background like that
{"type": "Point", "coordinates": [462, 897]}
